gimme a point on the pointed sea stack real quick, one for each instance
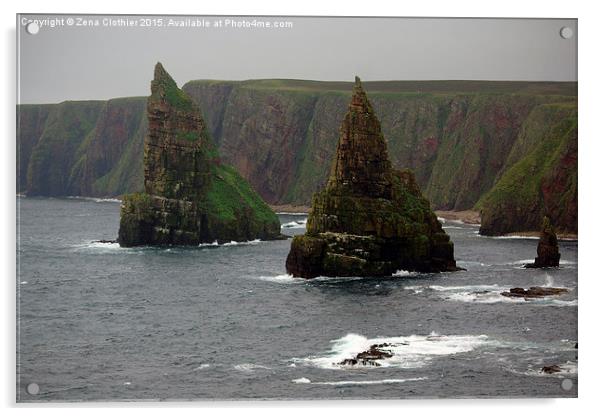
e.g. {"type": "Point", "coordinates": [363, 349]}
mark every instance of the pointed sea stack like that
{"type": "Point", "coordinates": [190, 196]}
{"type": "Point", "coordinates": [370, 220]}
{"type": "Point", "coordinates": [547, 248]}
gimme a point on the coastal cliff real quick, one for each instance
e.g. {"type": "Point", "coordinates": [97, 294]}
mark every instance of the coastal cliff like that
{"type": "Point", "coordinates": [470, 143]}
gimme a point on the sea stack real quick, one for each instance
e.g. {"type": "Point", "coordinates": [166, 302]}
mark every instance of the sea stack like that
{"type": "Point", "coordinates": [189, 196]}
{"type": "Point", "coordinates": [547, 248]}
{"type": "Point", "coordinates": [370, 219]}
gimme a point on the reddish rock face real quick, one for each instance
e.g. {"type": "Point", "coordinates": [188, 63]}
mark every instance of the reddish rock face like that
{"type": "Point", "coordinates": [370, 220]}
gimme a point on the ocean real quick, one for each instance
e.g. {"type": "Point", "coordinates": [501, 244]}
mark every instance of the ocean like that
{"type": "Point", "coordinates": [97, 322]}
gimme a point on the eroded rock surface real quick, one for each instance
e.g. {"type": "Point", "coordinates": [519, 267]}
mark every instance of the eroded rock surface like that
{"type": "Point", "coordinates": [190, 196]}
{"type": "Point", "coordinates": [369, 220]}
{"type": "Point", "coordinates": [371, 356]}
{"type": "Point", "coordinates": [547, 248]}
{"type": "Point", "coordinates": [534, 292]}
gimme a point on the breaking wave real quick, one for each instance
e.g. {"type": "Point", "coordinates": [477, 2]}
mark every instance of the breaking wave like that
{"type": "Point", "coordinates": [295, 224]}
{"type": "Point", "coordinates": [508, 237]}
{"type": "Point", "coordinates": [304, 380]}
{"type": "Point", "coordinates": [412, 351]}
{"type": "Point", "coordinates": [87, 198]}
{"type": "Point", "coordinates": [491, 294]}
{"type": "Point", "coordinates": [281, 278]}
{"type": "Point", "coordinates": [404, 273]}
{"type": "Point", "coordinates": [232, 243]}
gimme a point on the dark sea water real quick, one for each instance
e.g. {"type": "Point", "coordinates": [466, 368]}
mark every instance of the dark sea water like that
{"type": "Point", "coordinates": [100, 322]}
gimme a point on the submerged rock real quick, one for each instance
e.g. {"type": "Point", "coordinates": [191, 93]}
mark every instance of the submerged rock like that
{"type": "Point", "coordinates": [370, 220]}
{"type": "Point", "coordinates": [547, 248]}
{"type": "Point", "coordinates": [534, 292]}
{"type": "Point", "coordinates": [190, 196]}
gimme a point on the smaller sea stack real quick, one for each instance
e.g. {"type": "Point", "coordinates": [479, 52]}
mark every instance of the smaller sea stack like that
{"type": "Point", "coordinates": [547, 248]}
{"type": "Point", "coordinates": [370, 220]}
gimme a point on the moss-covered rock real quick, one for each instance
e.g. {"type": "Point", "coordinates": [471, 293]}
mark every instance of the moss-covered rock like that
{"type": "Point", "coordinates": [541, 178]}
{"type": "Point", "coordinates": [190, 196]}
{"type": "Point", "coordinates": [369, 220]}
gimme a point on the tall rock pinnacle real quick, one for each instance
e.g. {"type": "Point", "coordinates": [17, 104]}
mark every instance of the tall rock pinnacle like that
{"type": "Point", "coordinates": [176, 157]}
{"type": "Point", "coordinates": [190, 196]}
{"type": "Point", "coordinates": [370, 220]}
{"type": "Point", "coordinates": [362, 165]}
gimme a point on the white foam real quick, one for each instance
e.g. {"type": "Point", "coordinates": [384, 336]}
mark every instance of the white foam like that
{"type": "Point", "coordinates": [242, 243]}
{"type": "Point", "coordinates": [509, 237]}
{"type": "Point", "coordinates": [403, 273]}
{"type": "Point", "coordinates": [487, 294]}
{"type": "Point", "coordinates": [368, 382]}
{"type": "Point", "coordinates": [439, 288]}
{"type": "Point", "coordinates": [360, 382]}
{"type": "Point", "coordinates": [549, 281]}
{"type": "Point", "coordinates": [281, 278]}
{"type": "Point", "coordinates": [413, 351]}
{"type": "Point", "coordinates": [295, 224]}
{"type": "Point", "coordinates": [441, 220]}
{"type": "Point", "coordinates": [100, 245]}
{"type": "Point", "coordinates": [24, 282]}
{"type": "Point", "coordinates": [214, 244]}
{"type": "Point", "coordinates": [86, 198]}
{"type": "Point", "coordinates": [451, 227]}
{"type": "Point", "coordinates": [291, 213]}
{"type": "Point", "coordinates": [231, 243]}
{"type": "Point", "coordinates": [250, 367]}
{"type": "Point", "coordinates": [302, 380]}
{"type": "Point", "coordinates": [203, 366]}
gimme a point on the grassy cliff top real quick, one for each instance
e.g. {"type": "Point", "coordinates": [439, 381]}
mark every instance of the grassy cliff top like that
{"type": "Point", "coordinates": [433, 87]}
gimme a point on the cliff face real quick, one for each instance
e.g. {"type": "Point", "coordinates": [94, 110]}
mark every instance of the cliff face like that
{"type": "Point", "coordinates": [541, 176]}
{"type": "Point", "coordinates": [81, 148]}
{"type": "Point", "coordinates": [66, 128]}
{"type": "Point", "coordinates": [460, 138]}
{"type": "Point", "coordinates": [369, 220]}
{"type": "Point", "coordinates": [189, 196]}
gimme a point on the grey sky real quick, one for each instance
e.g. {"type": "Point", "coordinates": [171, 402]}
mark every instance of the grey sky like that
{"type": "Point", "coordinates": [74, 63]}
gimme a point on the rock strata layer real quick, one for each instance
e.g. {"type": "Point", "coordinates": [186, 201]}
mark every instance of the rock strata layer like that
{"type": "Point", "coordinates": [369, 220]}
{"type": "Point", "coordinates": [190, 197]}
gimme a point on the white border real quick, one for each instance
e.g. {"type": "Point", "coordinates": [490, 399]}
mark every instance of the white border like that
{"type": "Point", "coordinates": [590, 152]}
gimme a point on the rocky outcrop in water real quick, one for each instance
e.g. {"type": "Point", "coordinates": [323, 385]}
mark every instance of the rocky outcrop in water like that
{"type": "Point", "coordinates": [190, 196]}
{"type": "Point", "coordinates": [534, 292]}
{"type": "Point", "coordinates": [547, 248]}
{"type": "Point", "coordinates": [369, 220]}
{"type": "Point", "coordinates": [371, 356]}
{"type": "Point", "coordinates": [551, 369]}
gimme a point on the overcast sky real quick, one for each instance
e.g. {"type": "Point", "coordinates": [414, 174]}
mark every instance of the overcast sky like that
{"type": "Point", "coordinates": [75, 63]}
